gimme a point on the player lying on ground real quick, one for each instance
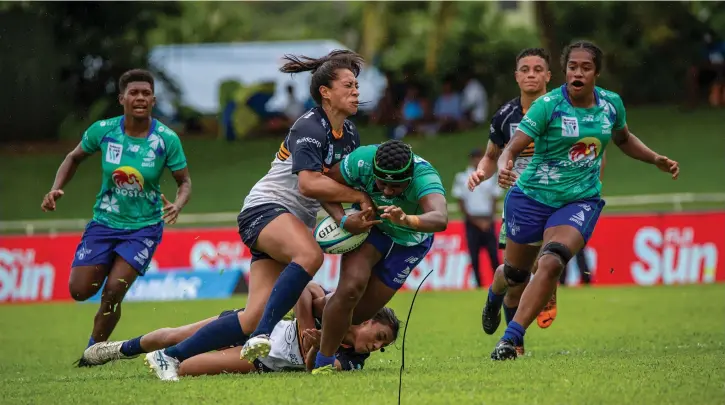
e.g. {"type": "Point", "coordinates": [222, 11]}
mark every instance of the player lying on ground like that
{"type": "Point", "coordinates": [557, 198]}
{"type": "Point", "coordinates": [118, 244]}
{"type": "Point", "coordinates": [411, 199]}
{"type": "Point", "coordinates": [280, 211]}
{"type": "Point", "coordinates": [292, 341]}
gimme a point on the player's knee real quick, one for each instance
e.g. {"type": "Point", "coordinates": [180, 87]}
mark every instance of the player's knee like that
{"type": "Point", "coordinates": [553, 259]}
{"type": "Point", "coordinates": [81, 292]}
{"type": "Point", "coordinates": [349, 291]}
{"type": "Point", "coordinates": [515, 276]}
{"type": "Point", "coordinates": [114, 291]}
{"type": "Point", "coordinates": [310, 260]}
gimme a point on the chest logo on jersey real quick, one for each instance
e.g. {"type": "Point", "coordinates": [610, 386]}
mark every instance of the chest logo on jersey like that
{"type": "Point", "coordinates": [569, 127]}
{"type": "Point", "coordinates": [114, 152]}
{"type": "Point", "coordinates": [587, 149]}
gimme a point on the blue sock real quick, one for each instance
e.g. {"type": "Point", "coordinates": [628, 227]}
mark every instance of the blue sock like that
{"type": "Point", "coordinates": [132, 347]}
{"type": "Point", "coordinates": [509, 313]}
{"type": "Point", "coordinates": [224, 331]}
{"type": "Point", "coordinates": [91, 342]}
{"type": "Point", "coordinates": [515, 333]}
{"type": "Point", "coordinates": [286, 292]}
{"type": "Point", "coordinates": [495, 299]}
{"type": "Point", "coordinates": [321, 360]}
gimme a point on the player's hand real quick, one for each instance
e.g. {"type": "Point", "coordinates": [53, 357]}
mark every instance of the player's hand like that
{"type": "Point", "coordinates": [475, 179]}
{"type": "Point", "coordinates": [394, 214]}
{"type": "Point", "coordinates": [360, 222]}
{"type": "Point", "coordinates": [50, 199]}
{"type": "Point", "coordinates": [311, 338]}
{"type": "Point", "coordinates": [171, 211]}
{"type": "Point", "coordinates": [668, 165]}
{"type": "Point", "coordinates": [366, 202]}
{"type": "Point", "coordinates": [506, 175]}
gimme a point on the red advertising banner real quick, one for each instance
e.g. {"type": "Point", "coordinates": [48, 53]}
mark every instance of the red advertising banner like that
{"type": "Point", "coordinates": [624, 250]}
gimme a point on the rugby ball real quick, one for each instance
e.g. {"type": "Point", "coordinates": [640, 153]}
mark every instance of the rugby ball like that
{"type": "Point", "coordinates": [335, 240]}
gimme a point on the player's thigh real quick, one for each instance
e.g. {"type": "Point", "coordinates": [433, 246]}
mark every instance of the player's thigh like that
{"type": "Point", "coordinates": [272, 230]}
{"type": "Point", "coordinates": [92, 260]}
{"type": "Point", "coordinates": [389, 275]}
{"type": "Point", "coordinates": [377, 295]}
{"type": "Point", "coordinates": [356, 268]}
{"type": "Point", "coordinates": [574, 223]}
{"type": "Point", "coordinates": [218, 362]}
{"type": "Point", "coordinates": [263, 275]}
{"type": "Point", "coordinates": [526, 221]}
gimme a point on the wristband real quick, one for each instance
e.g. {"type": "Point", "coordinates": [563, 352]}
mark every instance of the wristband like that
{"type": "Point", "coordinates": [342, 221]}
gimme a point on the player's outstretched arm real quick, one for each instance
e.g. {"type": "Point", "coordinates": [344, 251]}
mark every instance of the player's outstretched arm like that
{"type": "Point", "coordinates": [433, 219]}
{"type": "Point", "coordinates": [486, 167]}
{"type": "Point", "coordinates": [636, 149]}
{"type": "Point", "coordinates": [355, 223]}
{"type": "Point", "coordinates": [63, 176]}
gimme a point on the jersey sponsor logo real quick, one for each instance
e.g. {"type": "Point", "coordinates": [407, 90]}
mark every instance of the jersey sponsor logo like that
{"type": "Point", "coordinates": [529, 121]}
{"type": "Point", "coordinates": [307, 139]}
{"type": "Point", "coordinates": [114, 152]}
{"type": "Point", "coordinates": [586, 149]}
{"type": "Point", "coordinates": [132, 148]}
{"type": "Point", "coordinates": [606, 125]}
{"type": "Point", "coordinates": [569, 127]}
{"type": "Point", "coordinates": [129, 182]}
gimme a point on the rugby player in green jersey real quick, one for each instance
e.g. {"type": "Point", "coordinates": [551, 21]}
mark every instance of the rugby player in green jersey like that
{"type": "Point", "coordinates": [557, 199]}
{"type": "Point", "coordinates": [411, 200]}
{"type": "Point", "coordinates": [128, 217]}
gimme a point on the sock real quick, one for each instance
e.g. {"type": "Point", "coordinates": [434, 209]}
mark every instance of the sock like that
{"type": "Point", "coordinates": [224, 331]}
{"type": "Point", "coordinates": [91, 342]}
{"type": "Point", "coordinates": [321, 360]}
{"type": "Point", "coordinates": [509, 313]}
{"type": "Point", "coordinates": [286, 292]}
{"type": "Point", "coordinates": [495, 299]}
{"type": "Point", "coordinates": [132, 347]}
{"type": "Point", "coordinates": [515, 333]}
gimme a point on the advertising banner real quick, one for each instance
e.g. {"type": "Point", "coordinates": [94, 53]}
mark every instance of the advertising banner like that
{"type": "Point", "coordinates": [213, 262]}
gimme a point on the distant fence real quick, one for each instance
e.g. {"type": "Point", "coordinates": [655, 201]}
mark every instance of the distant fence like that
{"type": "Point", "coordinates": [675, 200]}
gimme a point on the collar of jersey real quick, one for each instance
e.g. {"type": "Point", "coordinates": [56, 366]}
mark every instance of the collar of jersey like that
{"type": "Point", "coordinates": [152, 127]}
{"type": "Point", "coordinates": [565, 92]}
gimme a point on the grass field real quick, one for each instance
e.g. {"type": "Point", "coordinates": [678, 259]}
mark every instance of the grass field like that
{"type": "Point", "coordinates": [656, 345]}
{"type": "Point", "coordinates": [223, 172]}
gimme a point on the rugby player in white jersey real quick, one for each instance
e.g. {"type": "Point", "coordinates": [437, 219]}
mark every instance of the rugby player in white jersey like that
{"type": "Point", "coordinates": [293, 349]}
{"type": "Point", "coordinates": [281, 209]}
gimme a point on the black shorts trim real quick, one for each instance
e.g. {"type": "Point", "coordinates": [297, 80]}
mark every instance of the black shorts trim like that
{"type": "Point", "coordinates": [253, 220]}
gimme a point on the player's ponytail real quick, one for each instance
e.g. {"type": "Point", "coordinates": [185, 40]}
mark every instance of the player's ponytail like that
{"type": "Point", "coordinates": [324, 69]}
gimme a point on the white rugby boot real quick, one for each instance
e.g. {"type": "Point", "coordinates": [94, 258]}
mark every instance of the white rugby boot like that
{"type": "Point", "coordinates": [165, 367]}
{"type": "Point", "coordinates": [104, 352]}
